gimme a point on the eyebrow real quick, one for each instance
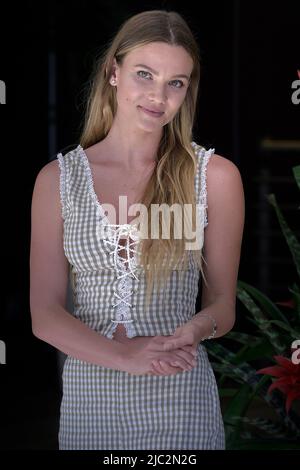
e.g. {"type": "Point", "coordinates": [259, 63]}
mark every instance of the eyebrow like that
{"type": "Point", "coordinates": [156, 73]}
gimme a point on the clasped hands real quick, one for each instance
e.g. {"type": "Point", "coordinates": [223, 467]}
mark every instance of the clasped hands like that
{"type": "Point", "coordinates": [184, 342]}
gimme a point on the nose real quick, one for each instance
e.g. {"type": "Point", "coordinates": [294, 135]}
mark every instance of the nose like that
{"type": "Point", "coordinates": [158, 94]}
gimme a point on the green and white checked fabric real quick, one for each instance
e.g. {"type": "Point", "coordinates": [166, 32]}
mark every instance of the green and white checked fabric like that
{"type": "Point", "coordinates": [104, 408]}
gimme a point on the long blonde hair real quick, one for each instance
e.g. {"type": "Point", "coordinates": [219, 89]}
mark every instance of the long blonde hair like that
{"type": "Point", "coordinates": [172, 180]}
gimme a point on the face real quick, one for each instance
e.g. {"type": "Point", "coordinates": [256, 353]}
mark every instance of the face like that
{"type": "Point", "coordinates": [154, 77]}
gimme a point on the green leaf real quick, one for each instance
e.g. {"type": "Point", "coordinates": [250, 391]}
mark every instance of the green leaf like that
{"type": "Point", "coordinates": [241, 371]}
{"type": "Point", "coordinates": [243, 338]}
{"type": "Point", "coordinates": [236, 407]}
{"type": "Point", "coordinates": [296, 171]}
{"type": "Point", "coordinates": [261, 320]}
{"type": "Point", "coordinates": [296, 297]}
{"type": "Point", "coordinates": [228, 371]}
{"type": "Point", "coordinates": [289, 236]}
{"type": "Point", "coordinates": [260, 384]}
{"type": "Point", "coordinates": [265, 425]}
{"type": "Point", "coordinates": [267, 305]}
{"type": "Point", "coordinates": [292, 331]}
{"type": "Point", "coordinates": [263, 350]}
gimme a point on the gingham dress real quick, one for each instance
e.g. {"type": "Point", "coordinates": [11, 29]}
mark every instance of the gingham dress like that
{"type": "Point", "coordinates": [104, 408]}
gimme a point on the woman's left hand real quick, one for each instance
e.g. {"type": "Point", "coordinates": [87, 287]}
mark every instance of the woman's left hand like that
{"type": "Point", "coordinates": [185, 335]}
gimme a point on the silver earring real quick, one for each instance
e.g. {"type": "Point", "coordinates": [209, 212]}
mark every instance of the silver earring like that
{"type": "Point", "coordinates": [112, 81]}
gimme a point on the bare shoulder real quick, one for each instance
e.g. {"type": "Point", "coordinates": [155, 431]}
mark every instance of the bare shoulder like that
{"type": "Point", "coordinates": [49, 171]}
{"type": "Point", "coordinates": [47, 178]}
{"type": "Point", "coordinates": [220, 168]}
{"type": "Point", "coordinates": [46, 197]}
{"type": "Point", "coordinates": [225, 190]}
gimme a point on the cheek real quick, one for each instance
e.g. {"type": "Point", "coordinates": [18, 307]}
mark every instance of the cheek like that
{"type": "Point", "coordinates": [181, 100]}
{"type": "Point", "coordinates": [130, 92]}
{"type": "Point", "coordinates": [175, 104]}
{"type": "Point", "coordinates": [177, 101]}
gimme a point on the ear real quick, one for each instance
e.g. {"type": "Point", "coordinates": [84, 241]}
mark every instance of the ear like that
{"type": "Point", "coordinates": [114, 69]}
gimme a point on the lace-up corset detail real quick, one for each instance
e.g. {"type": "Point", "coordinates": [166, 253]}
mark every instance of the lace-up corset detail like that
{"type": "Point", "coordinates": [124, 273]}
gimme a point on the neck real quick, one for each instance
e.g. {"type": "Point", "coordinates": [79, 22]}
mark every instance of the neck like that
{"type": "Point", "coordinates": [138, 148]}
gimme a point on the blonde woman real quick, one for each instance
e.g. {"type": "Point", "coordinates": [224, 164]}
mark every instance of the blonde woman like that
{"type": "Point", "coordinates": [137, 375]}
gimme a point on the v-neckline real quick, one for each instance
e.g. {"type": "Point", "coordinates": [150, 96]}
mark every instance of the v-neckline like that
{"type": "Point", "coordinates": [117, 228]}
{"type": "Point", "coordinates": [93, 194]}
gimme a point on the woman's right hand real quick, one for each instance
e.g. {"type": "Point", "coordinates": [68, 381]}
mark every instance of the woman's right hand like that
{"type": "Point", "coordinates": [145, 356]}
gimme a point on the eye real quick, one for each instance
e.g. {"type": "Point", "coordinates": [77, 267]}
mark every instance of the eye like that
{"type": "Point", "coordinates": [143, 71]}
{"type": "Point", "coordinates": [174, 81]}
{"type": "Point", "coordinates": [178, 81]}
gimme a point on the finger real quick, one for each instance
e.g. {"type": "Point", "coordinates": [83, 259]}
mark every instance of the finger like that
{"type": "Point", "coordinates": [176, 343]}
{"type": "Point", "coordinates": [183, 359]}
{"type": "Point", "coordinates": [191, 349]}
{"type": "Point", "coordinates": [186, 356]}
{"type": "Point", "coordinates": [164, 367]}
{"type": "Point", "coordinates": [177, 361]}
{"type": "Point", "coordinates": [157, 367]}
{"type": "Point", "coordinates": [181, 365]}
{"type": "Point", "coordinates": [169, 369]}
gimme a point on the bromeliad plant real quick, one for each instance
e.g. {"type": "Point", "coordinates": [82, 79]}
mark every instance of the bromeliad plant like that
{"type": "Point", "coordinates": [271, 343]}
{"type": "Point", "coordinates": [288, 378]}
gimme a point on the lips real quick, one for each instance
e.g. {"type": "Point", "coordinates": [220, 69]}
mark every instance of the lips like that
{"type": "Point", "coordinates": [153, 111]}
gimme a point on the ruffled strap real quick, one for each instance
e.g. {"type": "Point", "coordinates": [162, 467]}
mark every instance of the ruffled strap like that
{"type": "Point", "coordinates": [203, 159]}
{"type": "Point", "coordinates": [64, 185]}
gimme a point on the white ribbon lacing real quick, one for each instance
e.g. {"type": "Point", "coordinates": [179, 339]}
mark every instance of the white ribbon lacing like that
{"type": "Point", "coordinates": [125, 274]}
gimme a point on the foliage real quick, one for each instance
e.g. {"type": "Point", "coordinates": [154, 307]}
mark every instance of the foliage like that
{"type": "Point", "coordinates": [276, 325]}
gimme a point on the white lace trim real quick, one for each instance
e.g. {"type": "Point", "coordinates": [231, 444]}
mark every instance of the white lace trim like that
{"type": "Point", "coordinates": [203, 190]}
{"type": "Point", "coordinates": [91, 187]}
{"type": "Point", "coordinates": [62, 185]}
{"type": "Point", "coordinates": [205, 155]}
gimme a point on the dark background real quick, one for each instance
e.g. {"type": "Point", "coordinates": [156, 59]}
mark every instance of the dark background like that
{"type": "Point", "coordinates": [250, 56]}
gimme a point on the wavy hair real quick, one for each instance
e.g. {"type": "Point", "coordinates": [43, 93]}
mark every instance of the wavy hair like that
{"type": "Point", "coordinates": [176, 165]}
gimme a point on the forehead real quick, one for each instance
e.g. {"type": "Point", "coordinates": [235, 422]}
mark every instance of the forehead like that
{"type": "Point", "coordinates": [161, 55]}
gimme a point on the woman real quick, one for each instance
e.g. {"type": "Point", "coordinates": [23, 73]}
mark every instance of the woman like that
{"type": "Point", "coordinates": [137, 375]}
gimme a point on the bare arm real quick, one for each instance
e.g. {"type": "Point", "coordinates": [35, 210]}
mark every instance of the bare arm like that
{"type": "Point", "coordinates": [222, 245]}
{"type": "Point", "coordinates": [51, 322]}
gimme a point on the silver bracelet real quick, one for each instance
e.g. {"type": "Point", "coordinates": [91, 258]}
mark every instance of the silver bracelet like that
{"type": "Point", "coordinates": [214, 331]}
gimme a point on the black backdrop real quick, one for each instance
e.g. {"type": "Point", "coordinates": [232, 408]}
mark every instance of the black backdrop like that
{"type": "Point", "coordinates": [250, 57]}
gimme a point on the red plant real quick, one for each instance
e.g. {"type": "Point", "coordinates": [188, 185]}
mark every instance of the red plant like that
{"type": "Point", "coordinates": [287, 303]}
{"type": "Point", "coordinates": [288, 381]}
